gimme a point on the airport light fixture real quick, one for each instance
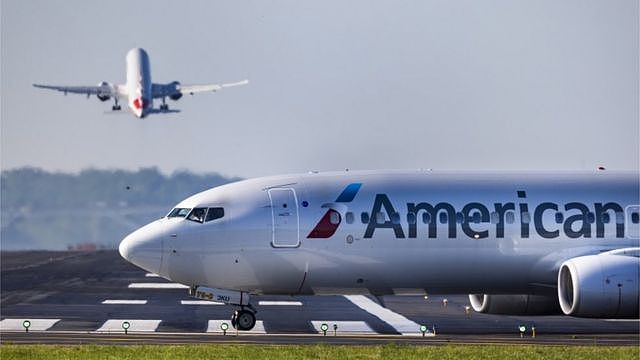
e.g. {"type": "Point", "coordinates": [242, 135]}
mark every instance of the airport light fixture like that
{"type": "Point", "coordinates": [423, 330]}
{"type": "Point", "coordinates": [522, 329]}
{"type": "Point", "coordinates": [335, 329]}
{"type": "Point", "coordinates": [224, 327]}
{"type": "Point", "coordinates": [126, 325]}
{"type": "Point", "coordinates": [324, 327]}
{"type": "Point", "coordinates": [26, 324]}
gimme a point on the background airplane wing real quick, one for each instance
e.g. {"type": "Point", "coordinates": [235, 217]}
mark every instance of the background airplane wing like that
{"type": "Point", "coordinates": [192, 89]}
{"type": "Point", "coordinates": [104, 90]}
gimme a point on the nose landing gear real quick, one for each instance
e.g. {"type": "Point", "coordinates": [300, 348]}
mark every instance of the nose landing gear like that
{"type": "Point", "coordinates": [243, 319]}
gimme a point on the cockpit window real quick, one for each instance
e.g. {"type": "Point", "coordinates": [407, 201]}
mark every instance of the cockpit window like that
{"type": "Point", "coordinates": [215, 213]}
{"type": "Point", "coordinates": [178, 212]}
{"type": "Point", "coordinates": [197, 214]}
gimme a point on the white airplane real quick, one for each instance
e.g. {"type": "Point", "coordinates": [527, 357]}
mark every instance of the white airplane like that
{"type": "Point", "coordinates": [139, 91]}
{"type": "Point", "coordinates": [519, 243]}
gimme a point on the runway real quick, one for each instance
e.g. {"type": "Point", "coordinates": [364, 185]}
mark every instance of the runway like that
{"type": "Point", "coordinates": [86, 298]}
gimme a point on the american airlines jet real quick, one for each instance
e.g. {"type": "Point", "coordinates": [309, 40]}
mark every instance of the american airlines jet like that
{"type": "Point", "coordinates": [139, 91]}
{"type": "Point", "coordinates": [518, 243]}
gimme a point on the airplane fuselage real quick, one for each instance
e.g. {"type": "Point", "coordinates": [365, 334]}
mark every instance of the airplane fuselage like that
{"type": "Point", "coordinates": [138, 85]}
{"type": "Point", "coordinates": [392, 232]}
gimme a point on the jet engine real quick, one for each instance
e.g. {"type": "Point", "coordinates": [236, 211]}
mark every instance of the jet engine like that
{"type": "Point", "coordinates": [600, 286]}
{"type": "Point", "coordinates": [515, 304]}
{"type": "Point", "coordinates": [107, 89]}
{"type": "Point", "coordinates": [175, 91]}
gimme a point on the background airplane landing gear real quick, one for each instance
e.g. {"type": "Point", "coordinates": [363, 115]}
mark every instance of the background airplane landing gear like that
{"type": "Point", "coordinates": [243, 320]}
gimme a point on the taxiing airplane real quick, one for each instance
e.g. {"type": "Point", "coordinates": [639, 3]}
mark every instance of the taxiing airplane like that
{"type": "Point", "coordinates": [139, 91]}
{"type": "Point", "coordinates": [519, 243]}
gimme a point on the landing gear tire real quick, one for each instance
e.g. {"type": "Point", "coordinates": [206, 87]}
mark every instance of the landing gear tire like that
{"type": "Point", "coordinates": [116, 108]}
{"type": "Point", "coordinates": [164, 107]}
{"type": "Point", "coordinates": [243, 320]}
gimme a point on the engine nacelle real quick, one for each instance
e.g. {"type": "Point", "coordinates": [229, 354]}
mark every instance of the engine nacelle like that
{"type": "Point", "coordinates": [515, 304]}
{"type": "Point", "coordinates": [600, 286]}
{"type": "Point", "coordinates": [175, 93]}
{"type": "Point", "coordinates": [107, 89]}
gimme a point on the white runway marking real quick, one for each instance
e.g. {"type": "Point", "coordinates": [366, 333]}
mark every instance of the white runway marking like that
{"type": "Point", "coordinates": [36, 324]}
{"type": "Point", "coordinates": [280, 303]}
{"type": "Point", "coordinates": [151, 275]}
{"type": "Point", "coordinates": [402, 325]}
{"type": "Point", "coordinates": [124, 302]}
{"type": "Point", "coordinates": [199, 302]}
{"type": "Point", "coordinates": [115, 325]}
{"type": "Point", "coordinates": [214, 327]}
{"type": "Point", "coordinates": [343, 327]}
{"type": "Point", "coordinates": [157, 286]}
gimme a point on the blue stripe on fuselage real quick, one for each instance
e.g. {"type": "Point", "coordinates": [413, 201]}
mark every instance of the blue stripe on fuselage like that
{"type": "Point", "coordinates": [349, 193]}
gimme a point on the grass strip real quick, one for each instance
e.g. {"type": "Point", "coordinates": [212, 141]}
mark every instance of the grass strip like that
{"type": "Point", "coordinates": [333, 352]}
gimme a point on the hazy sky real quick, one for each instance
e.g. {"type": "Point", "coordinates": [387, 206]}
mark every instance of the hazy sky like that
{"type": "Point", "coordinates": [334, 84]}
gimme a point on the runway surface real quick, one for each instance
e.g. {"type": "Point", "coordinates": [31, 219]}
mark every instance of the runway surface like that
{"type": "Point", "coordinates": [86, 297]}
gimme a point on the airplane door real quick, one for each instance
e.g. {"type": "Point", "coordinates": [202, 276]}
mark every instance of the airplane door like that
{"type": "Point", "coordinates": [284, 216]}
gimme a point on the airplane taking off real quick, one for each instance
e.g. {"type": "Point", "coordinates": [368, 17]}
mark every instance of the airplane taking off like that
{"type": "Point", "coordinates": [518, 243]}
{"type": "Point", "coordinates": [139, 91]}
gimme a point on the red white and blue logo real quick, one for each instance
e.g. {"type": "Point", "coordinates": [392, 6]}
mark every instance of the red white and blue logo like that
{"type": "Point", "coordinates": [330, 221]}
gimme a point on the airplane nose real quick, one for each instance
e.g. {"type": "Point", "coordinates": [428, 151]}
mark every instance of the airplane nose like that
{"type": "Point", "coordinates": [143, 248]}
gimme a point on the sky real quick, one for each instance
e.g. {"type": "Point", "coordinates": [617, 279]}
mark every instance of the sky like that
{"type": "Point", "coordinates": [465, 85]}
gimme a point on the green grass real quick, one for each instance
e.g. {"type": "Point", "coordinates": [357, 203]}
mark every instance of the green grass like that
{"type": "Point", "coordinates": [334, 352]}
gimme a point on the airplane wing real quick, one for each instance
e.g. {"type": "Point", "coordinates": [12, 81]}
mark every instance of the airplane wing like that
{"type": "Point", "coordinates": [192, 89]}
{"type": "Point", "coordinates": [103, 90]}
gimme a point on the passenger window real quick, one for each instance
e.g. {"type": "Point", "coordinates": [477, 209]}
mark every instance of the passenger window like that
{"type": "Point", "coordinates": [349, 217]}
{"type": "Point", "coordinates": [591, 218]}
{"type": "Point", "coordinates": [380, 219]}
{"type": "Point", "coordinates": [395, 218]}
{"type": "Point", "coordinates": [334, 218]}
{"type": "Point", "coordinates": [197, 214]}
{"type": "Point", "coordinates": [559, 218]}
{"type": "Point", "coordinates": [411, 218]}
{"type": "Point", "coordinates": [443, 218]}
{"type": "Point", "coordinates": [215, 213]}
{"type": "Point", "coordinates": [510, 217]}
{"type": "Point", "coordinates": [635, 217]}
{"type": "Point", "coordinates": [495, 218]}
{"type": "Point", "coordinates": [426, 217]}
{"type": "Point", "coordinates": [526, 218]}
{"type": "Point", "coordinates": [476, 217]}
{"type": "Point", "coordinates": [364, 217]}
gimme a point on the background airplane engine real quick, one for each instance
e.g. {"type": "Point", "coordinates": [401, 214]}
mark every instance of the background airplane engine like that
{"type": "Point", "coordinates": [175, 91]}
{"type": "Point", "coordinates": [105, 85]}
{"type": "Point", "coordinates": [600, 286]}
{"type": "Point", "coordinates": [515, 304]}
